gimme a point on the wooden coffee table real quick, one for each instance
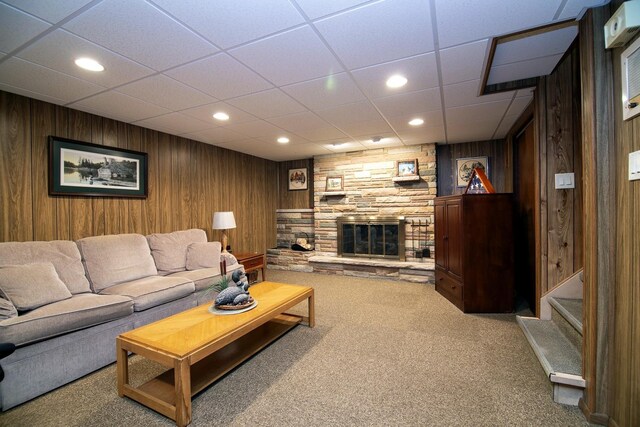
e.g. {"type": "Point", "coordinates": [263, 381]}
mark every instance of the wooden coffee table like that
{"type": "Point", "coordinates": [199, 347]}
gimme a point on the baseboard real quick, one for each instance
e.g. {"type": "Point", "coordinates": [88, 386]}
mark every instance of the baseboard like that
{"type": "Point", "coordinates": [595, 417]}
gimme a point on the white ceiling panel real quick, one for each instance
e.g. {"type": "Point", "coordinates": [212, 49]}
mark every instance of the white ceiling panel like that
{"type": "Point", "coordinates": [518, 106]}
{"type": "Point", "coordinates": [322, 133]}
{"type": "Point", "coordinates": [464, 22]}
{"type": "Point", "coordinates": [30, 94]}
{"type": "Point", "coordinates": [368, 128]}
{"type": "Point", "coordinates": [431, 119]}
{"type": "Point", "coordinates": [350, 113]}
{"type": "Point", "coordinates": [205, 113]}
{"type": "Point", "coordinates": [178, 123]}
{"type": "Point", "coordinates": [290, 57]}
{"type": "Point", "coordinates": [523, 69]}
{"type": "Point", "coordinates": [423, 136]}
{"type": "Point", "coordinates": [298, 122]}
{"type": "Point", "coordinates": [220, 76]}
{"type": "Point", "coordinates": [575, 8]}
{"type": "Point", "coordinates": [330, 91]}
{"type": "Point", "coordinates": [17, 28]}
{"type": "Point", "coordinates": [343, 146]}
{"type": "Point", "coordinates": [215, 136]}
{"type": "Point", "coordinates": [58, 50]}
{"type": "Point", "coordinates": [545, 44]}
{"type": "Point", "coordinates": [525, 92]}
{"type": "Point", "coordinates": [315, 9]}
{"type": "Point", "coordinates": [406, 103]}
{"type": "Point", "coordinates": [388, 140]}
{"type": "Point", "coordinates": [379, 32]}
{"type": "Point", "coordinates": [463, 63]}
{"type": "Point", "coordinates": [229, 23]}
{"type": "Point", "coordinates": [259, 129]}
{"type": "Point", "coordinates": [421, 72]}
{"type": "Point", "coordinates": [481, 131]}
{"type": "Point", "coordinates": [468, 116]}
{"type": "Point", "coordinates": [49, 10]}
{"type": "Point", "coordinates": [466, 93]}
{"type": "Point", "coordinates": [166, 92]}
{"type": "Point", "coordinates": [119, 106]}
{"type": "Point", "coordinates": [156, 41]}
{"type": "Point", "coordinates": [26, 75]}
{"type": "Point", "coordinates": [266, 104]}
{"type": "Point", "coordinates": [505, 125]}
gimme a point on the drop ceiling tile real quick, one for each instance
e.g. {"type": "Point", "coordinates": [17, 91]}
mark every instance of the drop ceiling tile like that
{"type": "Point", "coordinates": [463, 63]}
{"type": "Point", "coordinates": [322, 133]}
{"type": "Point", "coordinates": [166, 92]}
{"type": "Point", "coordinates": [525, 92]}
{"type": "Point", "coordinates": [505, 126]}
{"type": "Point", "coordinates": [389, 140]}
{"type": "Point", "coordinates": [379, 32]}
{"type": "Point", "coordinates": [470, 21]}
{"type": "Point", "coordinates": [229, 23]}
{"type": "Point", "coordinates": [368, 128]}
{"type": "Point", "coordinates": [29, 94]}
{"type": "Point", "coordinates": [518, 105]}
{"type": "Point", "coordinates": [279, 152]}
{"type": "Point", "coordinates": [50, 10]}
{"type": "Point", "coordinates": [119, 106]}
{"type": "Point", "coordinates": [342, 146]}
{"type": "Point", "coordinates": [175, 122]}
{"type": "Point", "coordinates": [330, 91]}
{"type": "Point", "coordinates": [298, 122]}
{"type": "Point", "coordinates": [407, 103]}
{"type": "Point", "coordinates": [220, 76]}
{"type": "Point", "coordinates": [423, 136]}
{"type": "Point", "coordinates": [524, 69]}
{"type": "Point", "coordinates": [17, 28]}
{"type": "Point", "coordinates": [259, 129]}
{"type": "Point", "coordinates": [156, 41]}
{"type": "Point", "coordinates": [289, 57]}
{"type": "Point", "coordinates": [541, 45]}
{"type": "Point", "coordinates": [431, 119]}
{"type": "Point", "coordinates": [206, 112]}
{"type": "Point", "coordinates": [421, 72]}
{"type": "Point", "coordinates": [489, 112]}
{"type": "Point", "coordinates": [216, 136]}
{"type": "Point", "coordinates": [466, 93]}
{"type": "Point", "coordinates": [34, 78]}
{"type": "Point", "coordinates": [315, 9]}
{"type": "Point", "coordinates": [266, 104]}
{"type": "Point", "coordinates": [350, 113]}
{"type": "Point", "coordinates": [58, 49]}
{"type": "Point", "coordinates": [574, 8]}
{"type": "Point", "coordinates": [477, 132]}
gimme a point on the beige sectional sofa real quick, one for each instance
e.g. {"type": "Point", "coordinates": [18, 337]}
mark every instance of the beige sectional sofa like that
{"type": "Point", "coordinates": [62, 303]}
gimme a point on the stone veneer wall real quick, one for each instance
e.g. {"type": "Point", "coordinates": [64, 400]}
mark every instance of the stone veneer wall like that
{"type": "Point", "coordinates": [293, 224]}
{"type": "Point", "coordinates": [370, 190]}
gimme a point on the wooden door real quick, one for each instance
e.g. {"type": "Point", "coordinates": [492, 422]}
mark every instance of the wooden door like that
{"type": "Point", "coordinates": [524, 189]}
{"type": "Point", "coordinates": [440, 223]}
{"type": "Point", "coordinates": [454, 237]}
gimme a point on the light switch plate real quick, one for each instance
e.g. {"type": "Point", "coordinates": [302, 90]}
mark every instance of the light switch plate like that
{"type": "Point", "coordinates": [634, 166]}
{"type": "Point", "coordinates": [565, 181]}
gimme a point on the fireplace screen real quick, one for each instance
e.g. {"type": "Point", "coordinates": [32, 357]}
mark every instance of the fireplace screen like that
{"type": "Point", "coordinates": [375, 237]}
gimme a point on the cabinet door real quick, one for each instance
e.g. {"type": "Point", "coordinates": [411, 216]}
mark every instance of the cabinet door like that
{"type": "Point", "coordinates": [440, 223]}
{"type": "Point", "coordinates": [454, 237]}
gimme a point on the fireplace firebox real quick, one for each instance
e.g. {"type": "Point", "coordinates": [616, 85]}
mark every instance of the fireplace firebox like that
{"type": "Point", "coordinates": [371, 237]}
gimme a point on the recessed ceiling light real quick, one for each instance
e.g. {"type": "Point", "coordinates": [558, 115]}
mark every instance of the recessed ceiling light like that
{"type": "Point", "coordinates": [396, 81]}
{"type": "Point", "coordinates": [89, 64]}
{"type": "Point", "coordinates": [283, 140]}
{"type": "Point", "coordinates": [221, 116]}
{"type": "Point", "coordinates": [416, 122]}
{"type": "Point", "coordinates": [377, 139]}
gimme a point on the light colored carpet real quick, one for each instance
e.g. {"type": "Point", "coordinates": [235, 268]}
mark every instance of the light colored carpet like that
{"type": "Point", "coordinates": [383, 353]}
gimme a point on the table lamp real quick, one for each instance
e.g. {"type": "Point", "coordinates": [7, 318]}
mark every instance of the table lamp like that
{"type": "Point", "coordinates": [223, 221]}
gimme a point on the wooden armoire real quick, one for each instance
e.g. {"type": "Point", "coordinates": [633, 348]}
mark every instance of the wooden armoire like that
{"type": "Point", "coordinates": [475, 251]}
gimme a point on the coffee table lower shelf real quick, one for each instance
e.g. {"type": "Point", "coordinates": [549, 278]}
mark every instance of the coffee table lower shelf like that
{"type": "Point", "coordinates": [160, 393]}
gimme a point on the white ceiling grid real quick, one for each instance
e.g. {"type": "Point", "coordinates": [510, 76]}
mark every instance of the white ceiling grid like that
{"type": "Point", "coordinates": [313, 71]}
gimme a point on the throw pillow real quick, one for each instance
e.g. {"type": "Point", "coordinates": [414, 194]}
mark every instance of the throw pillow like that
{"type": "Point", "coordinates": [229, 258]}
{"type": "Point", "coordinates": [31, 286]}
{"type": "Point", "coordinates": [7, 310]}
{"type": "Point", "coordinates": [203, 255]}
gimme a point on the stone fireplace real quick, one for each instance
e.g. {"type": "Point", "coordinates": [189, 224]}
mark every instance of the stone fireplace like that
{"type": "Point", "coordinates": [371, 237]}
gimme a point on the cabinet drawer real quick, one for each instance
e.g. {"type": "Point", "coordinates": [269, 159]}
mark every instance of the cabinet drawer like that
{"type": "Point", "coordinates": [450, 287]}
{"type": "Point", "coordinates": [252, 262]}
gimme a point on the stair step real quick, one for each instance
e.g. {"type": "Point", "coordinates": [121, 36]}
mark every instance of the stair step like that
{"type": "Point", "coordinates": [557, 354]}
{"type": "Point", "coordinates": [570, 309]}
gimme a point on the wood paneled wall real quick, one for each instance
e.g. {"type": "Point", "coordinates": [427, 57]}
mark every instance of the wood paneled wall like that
{"type": "Point", "coordinates": [500, 157]}
{"type": "Point", "coordinates": [558, 123]}
{"type": "Point", "coordinates": [188, 181]}
{"type": "Point", "coordinates": [298, 199]}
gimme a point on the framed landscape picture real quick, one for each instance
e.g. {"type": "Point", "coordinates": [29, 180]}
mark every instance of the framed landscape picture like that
{"type": "Point", "coordinates": [335, 183]}
{"type": "Point", "coordinates": [298, 179]}
{"type": "Point", "coordinates": [464, 168]}
{"type": "Point", "coordinates": [405, 168]}
{"type": "Point", "coordinates": [81, 169]}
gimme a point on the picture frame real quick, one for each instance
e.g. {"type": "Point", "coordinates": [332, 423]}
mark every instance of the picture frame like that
{"type": "Point", "coordinates": [407, 168]}
{"type": "Point", "coordinates": [298, 179]}
{"type": "Point", "coordinates": [335, 183]}
{"type": "Point", "coordinates": [79, 168]}
{"type": "Point", "coordinates": [465, 166]}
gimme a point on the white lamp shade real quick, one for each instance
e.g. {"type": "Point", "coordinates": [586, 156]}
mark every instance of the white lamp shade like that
{"type": "Point", "coordinates": [223, 220]}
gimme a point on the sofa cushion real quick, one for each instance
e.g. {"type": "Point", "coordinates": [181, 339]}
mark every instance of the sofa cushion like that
{"type": "Point", "coordinates": [7, 309]}
{"type": "Point", "coordinates": [78, 312]}
{"type": "Point", "coordinates": [169, 250]}
{"type": "Point", "coordinates": [114, 259]}
{"type": "Point", "coordinates": [63, 254]}
{"type": "Point", "coordinates": [152, 291]}
{"type": "Point", "coordinates": [31, 286]}
{"type": "Point", "coordinates": [203, 255]}
{"type": "Point", "coordinates": [205, 277]}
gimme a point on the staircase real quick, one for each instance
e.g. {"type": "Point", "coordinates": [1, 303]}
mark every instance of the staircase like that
{"type": "Point", "coordinates": [556, 339]}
